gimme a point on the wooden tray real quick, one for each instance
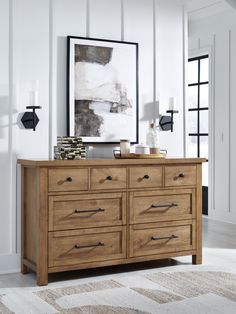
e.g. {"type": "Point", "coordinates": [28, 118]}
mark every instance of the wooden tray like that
{"type": "Point", "coordinates": [140, 156]}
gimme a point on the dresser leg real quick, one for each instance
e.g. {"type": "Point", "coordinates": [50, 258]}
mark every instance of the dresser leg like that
{"type": "Point", "coordinates": [197, 259]}
{"type": "Point", "coordinates": [24, 269]}
{"type": "Point", "coordinates": [42, 279]}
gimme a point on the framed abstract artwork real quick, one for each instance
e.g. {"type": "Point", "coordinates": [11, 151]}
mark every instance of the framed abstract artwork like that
{"type": "Point", "coordinates": [102, 90]}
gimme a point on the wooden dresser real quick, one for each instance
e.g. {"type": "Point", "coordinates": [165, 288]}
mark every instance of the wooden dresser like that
{"type": "Point", "coordinates": [91, 213]}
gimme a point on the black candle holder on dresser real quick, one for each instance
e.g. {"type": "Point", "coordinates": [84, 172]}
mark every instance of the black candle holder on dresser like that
{"type": "Point", "coordinates": [30, 119]}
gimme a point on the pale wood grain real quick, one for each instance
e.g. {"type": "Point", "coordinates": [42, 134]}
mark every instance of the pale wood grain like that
{"type": "Point", "coordinates": [58, 179]}
{"type": "Point", "coordinates": [180, 175]}
{"type": "Point", "coordinates": [42, 230]}
{"type": "Point", "coordinates": [108, 162]}
{"type": "Point", "coordinates": [137, 177]}
{"type": "Point", "coordinates": [143, 243]}
{"type": "Point", "coordinates": [64, 215]}
{"type": "Point", "coordinates": [197, 259]}
{"type": "Point", "coordinates": [51, 228]}
{"type": "Point", "coordinates": [64, 252]}
{"type": "Point", "coordinates": [100, 181]}
{"type": "Point", "coordinates": [174, 207]}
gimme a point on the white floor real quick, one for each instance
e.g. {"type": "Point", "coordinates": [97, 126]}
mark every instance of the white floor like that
{"type": "Point", "coordinates": [219, 250]}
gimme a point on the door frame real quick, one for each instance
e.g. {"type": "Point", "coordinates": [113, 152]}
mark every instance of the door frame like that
{"type": "Point", "coordinates": [208, 50]}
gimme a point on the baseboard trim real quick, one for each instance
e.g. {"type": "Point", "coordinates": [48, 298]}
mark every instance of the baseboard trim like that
{"type": "Point", "coordinates": [9, 263]}
{"type": "Point", "coordinates": [221, 216]}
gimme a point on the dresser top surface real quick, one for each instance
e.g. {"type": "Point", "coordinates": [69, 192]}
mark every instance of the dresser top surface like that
{"type": "Point", "coordinates": [108, 162]}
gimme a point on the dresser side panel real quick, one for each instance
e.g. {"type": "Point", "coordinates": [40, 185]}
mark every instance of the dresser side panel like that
{"type": "Point", "coordinates": [30, 217]}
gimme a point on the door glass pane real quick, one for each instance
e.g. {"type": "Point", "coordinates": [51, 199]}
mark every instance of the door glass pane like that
{"type": "Point", "coordinates": [192, 96]}
{"type": "Point", "coordinates": [204, 95]}
{"type": "Point", "coordinates": [204, 75]}
{"type": "Point", "coordinates": [204, 146]}
{"type": "Point", "coordinates": [204, 121]}
{"type": "Point", "coordinates": [192, 122]}
{"type": "Point", "coordinates": [191, 146]}
{"type": "Point", "coordinates": [193, 72]}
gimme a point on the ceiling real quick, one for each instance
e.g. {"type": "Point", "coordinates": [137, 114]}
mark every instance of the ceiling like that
{"type": "Point", "coordinates": [198, 9]}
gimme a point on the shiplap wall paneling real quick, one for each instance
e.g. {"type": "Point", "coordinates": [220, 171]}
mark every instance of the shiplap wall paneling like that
{"type": "Point", "coordinates": [138, 27]}
{"type": "Point", "coordinates": [5, 148]}
{"type": "Point", "coordinates": [73, 13]}
{"type": "Point", "coordinates": [222, 121]}
{"type": "Point", "coordinates": [221, 39]}
{"type": "Point", "coordinates": [31, 62]}
{"type": "Point", "coordinates": [232, 123]}
{"type": "Point", "coordinates": [170, 70]}
{"type": "Point", "coordinates": [105, 19]}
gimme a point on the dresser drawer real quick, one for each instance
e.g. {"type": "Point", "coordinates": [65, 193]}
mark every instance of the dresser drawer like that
{"type": "Point", "coordinates": [180, 175]}
{"type": "Point", "coordinates": [145, 177]}
{"type": "Point", "coordinates": [158, 240]}
{"type": "Point", "coordinates": [89, 245]}
{"type": "Point", "coordinates": [86, 211]}
{"type": "Point", "coordinates": [154, 206]}
{"type": "Point", "coordinates": [108, 178]}
{"type": "Point", "coordinates": [70, 179]}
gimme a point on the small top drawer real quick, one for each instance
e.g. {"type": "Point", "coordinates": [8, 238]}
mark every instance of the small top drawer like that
{"type": "Point", "coordinates": [72, 179]}
{"type": "Point", "coordinates": [145, 177]}
{"type": "Point", "coordinates": [180, 175]}
{"type": "Point", "coordinates": [108, 178]}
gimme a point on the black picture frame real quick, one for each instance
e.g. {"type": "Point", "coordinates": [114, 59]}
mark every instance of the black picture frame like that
{"type": "Point", "coordinates": [80, 57]}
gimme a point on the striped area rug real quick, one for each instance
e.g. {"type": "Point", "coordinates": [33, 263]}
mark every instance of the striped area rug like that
{"type": "Point", "coordinates": [200, 291]}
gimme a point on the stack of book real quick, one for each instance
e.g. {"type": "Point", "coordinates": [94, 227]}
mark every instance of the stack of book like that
{"type": "Point", "coordinates": [69, 148]}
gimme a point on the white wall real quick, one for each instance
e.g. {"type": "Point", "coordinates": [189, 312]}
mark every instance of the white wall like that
{"type": "Point", "coordinates": [33, 46]}
{"type": "Point", "coordinates": [134, 21]}
{"type": "Point", "coordinates": [217, 34]}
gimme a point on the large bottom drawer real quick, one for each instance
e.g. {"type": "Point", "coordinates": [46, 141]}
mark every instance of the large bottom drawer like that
{"type": "Point", "coordinates": [88, 245]}
{"type": "Point", "coordinates": [154, 239]}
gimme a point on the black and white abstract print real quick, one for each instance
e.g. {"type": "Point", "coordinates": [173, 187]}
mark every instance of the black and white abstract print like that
{"type": "Point", "coordinates": [103, 90]}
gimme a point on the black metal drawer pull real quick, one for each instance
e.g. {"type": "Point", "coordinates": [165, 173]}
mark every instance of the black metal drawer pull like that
{"type": "Point", "coordinates": [69, 179]}
{"type": "Point", "coordinates": [181, 175]}
{"type": "Point", "coordinates": [78, 211]}
{"type": "Point", "coordinates": [164, 206]}
{"type": "Point", "coordinates": [78, 246]}
{"type": "Point", "coordinates": [109, 178]}
{"type": "Point", "coordinates": [164, 238]}
{"type": "Point", "coordinates": [146, 176]}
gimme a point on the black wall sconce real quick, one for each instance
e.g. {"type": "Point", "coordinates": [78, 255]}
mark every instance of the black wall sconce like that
{"type": "Point", "coordinates": [30, 119]}
{"type": "Point", "coordinates": [167, 122]}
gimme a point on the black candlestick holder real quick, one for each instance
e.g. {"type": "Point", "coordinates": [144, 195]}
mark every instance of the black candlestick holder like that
{"type": "Point", "coordinates": [167, 122]}
{"type": "Point", "coordinates": [30, 119]}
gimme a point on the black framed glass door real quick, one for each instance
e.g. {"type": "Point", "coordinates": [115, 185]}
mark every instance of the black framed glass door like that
{"type": "Point", "coordinates": [197, 115]}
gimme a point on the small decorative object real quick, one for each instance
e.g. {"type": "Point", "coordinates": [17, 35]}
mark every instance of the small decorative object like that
{"type": "Point", "coordinates": [142, 149]}
{"type": "Point", "coordinates": [102, 90]}
{"type": "Point", "coordinates": [167, 122]}
{"type": "Point", "coordinates": [153, 139]}
{"type": "Point", "coordinates": [69, 148]}
{"type": "Point", "coordinates": [124, 147]}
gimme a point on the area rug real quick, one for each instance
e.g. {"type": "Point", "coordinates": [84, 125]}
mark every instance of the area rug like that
{"type": "Point", "coordinates": [152, 292]}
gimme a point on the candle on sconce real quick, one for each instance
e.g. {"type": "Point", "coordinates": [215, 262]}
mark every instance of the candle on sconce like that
{"type": "Point", "coordinates": [172, 103]}
{"type": "Point", "coordinates": [34, 93]}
